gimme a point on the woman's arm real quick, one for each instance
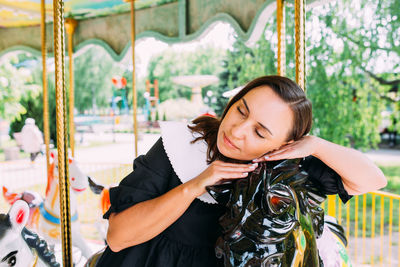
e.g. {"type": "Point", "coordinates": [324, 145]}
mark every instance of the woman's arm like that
{"type": "Point", "coordinates": [359, 174]}
{"type": "Point", "coordinates": [147, 219]}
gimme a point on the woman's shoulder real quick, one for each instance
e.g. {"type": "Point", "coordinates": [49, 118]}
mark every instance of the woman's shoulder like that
{"type": "Point", "coordinates": [188, 159]}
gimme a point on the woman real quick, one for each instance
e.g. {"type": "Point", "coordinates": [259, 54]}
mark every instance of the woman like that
{"type": "Point", "coordinates": [161, 215]}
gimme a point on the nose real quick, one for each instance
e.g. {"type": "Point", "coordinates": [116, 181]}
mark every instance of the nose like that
{"type": "Point", "coordinates": [238, 130]}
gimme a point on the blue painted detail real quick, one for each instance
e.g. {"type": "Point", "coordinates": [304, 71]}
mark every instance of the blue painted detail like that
{"type": "Point", "coordinates": [49, 217]}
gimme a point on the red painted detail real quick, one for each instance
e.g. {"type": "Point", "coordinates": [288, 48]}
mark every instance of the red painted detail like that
{"type": "Point", "coordinates": [123, 81]}
{"type": "Point", "coordinates": [78, 190]}
{"type": "Point", "coordinates": [20, 216]}
{"type": "Point", "coordinates": [70, 161]}
{"type": "Point", "coordinates": [73, 178]}
{"type": "Point", "coordinates": [275, 200]}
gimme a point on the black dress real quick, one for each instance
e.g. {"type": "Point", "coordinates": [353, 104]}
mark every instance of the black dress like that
{"type": "Point", "coordinates": [189, 241]}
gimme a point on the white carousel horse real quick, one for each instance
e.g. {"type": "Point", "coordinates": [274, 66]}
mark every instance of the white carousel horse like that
{"type": "Point", "coordinates": [46, 213]}
{"type": "Point", "coordinates": [104, 192]}
{"type": "Point", "coordinates": [19, 247]}
{"type": "Point", "coordinates": [49, 220]}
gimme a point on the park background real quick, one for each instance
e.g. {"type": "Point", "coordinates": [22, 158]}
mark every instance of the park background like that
{"type": "Point", "coordinates": [352, 79]}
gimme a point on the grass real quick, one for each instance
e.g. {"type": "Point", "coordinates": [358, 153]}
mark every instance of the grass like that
{"type": "Point", "coordinates": [392, 174]}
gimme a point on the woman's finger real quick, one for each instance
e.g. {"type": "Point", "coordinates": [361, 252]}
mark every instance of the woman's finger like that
{"type": "Point", "coordinates": [248, 168]}
{"type": "Point", "coordinates": [232, 175]}
{"type": "Point", "coordinates": [228, 164]}
{"type": "Point", "coordinates": [268, 156]}
{"type": "Point", "coordinates": [287, 154]}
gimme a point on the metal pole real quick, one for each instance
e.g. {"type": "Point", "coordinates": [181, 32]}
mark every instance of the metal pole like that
{"type": "Point", "coordinates": [300, 42]}
{"type": "Point", "coordinates": [135, 128]}
{"type": "Point", "coordinates": [70, 25]}
{"type": "Point", "coordinates": [280, 20]}
{"type": "Point", "coordinates": [62, 134]}
{"type": "Point", "coordinates": [46, 127]}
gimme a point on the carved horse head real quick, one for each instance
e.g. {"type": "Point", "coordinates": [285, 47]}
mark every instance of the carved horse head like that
{"type": "Point", "coordinates": [20, 247]}
{"type": "Point", "coordinates": [273, 217]}
{"type": "Point", "coordinates": [49, 221]}
{"type": "Point", "coordinates": [77, 179]}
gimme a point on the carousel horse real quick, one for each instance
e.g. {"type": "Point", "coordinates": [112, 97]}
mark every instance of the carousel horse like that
{"type": "Point", "coordinates": [105, 204]}
{"type": "Point", "coordinates": [104, 193]}
{"type": "Point", "coordinates": [48, 222]}
{"type": "Point", "coordinates": [274, 218]}
{"type": "Point", "coordinates": [19, 247]}
{"type": "Point", "coordinates": [32, 198]}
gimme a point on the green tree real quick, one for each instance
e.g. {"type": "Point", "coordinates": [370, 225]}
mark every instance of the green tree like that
{"type": "Point", "coordinates": [374, 39]}
{"type": "Point", "coordinates": [345, 109]}
{"type": "Point", "coordinates": [93, 72]}
{"type": "Point", "coordinates": [140, 89]}
{"type": "Point", "coordinates": [205, 61]}
{"type": "Point", "coordinates": [32, 107]}
{"type": "Point", "coordinates": [354, 40]}
{"type": "Point", "coordinates": [243, 64]}
{"type": "Point", "coordinates": [15, 81]}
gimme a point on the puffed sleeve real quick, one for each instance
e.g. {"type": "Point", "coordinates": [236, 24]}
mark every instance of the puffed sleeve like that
{"type": "Point", "coordinates": [149, 179]}
{"type": "Point", "coordinates": [325, 178]}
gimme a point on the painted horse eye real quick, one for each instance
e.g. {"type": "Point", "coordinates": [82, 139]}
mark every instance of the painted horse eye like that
{"type": "Point", "coordinates": [12, 261]}
{"type": "Point", "coordinates": [277, 203]}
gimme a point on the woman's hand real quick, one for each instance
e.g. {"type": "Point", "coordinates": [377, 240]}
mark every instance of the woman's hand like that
{"type": "Point", "coordinates": [297, 149]}
{"type": "Point", "coordinates": [218, 171]}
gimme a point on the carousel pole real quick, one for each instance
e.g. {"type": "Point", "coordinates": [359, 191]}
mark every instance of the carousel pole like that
{"type": "Point", "coordinates": [280, 27]}
{"type": "Point", "coordinates": [299, 17]}
{"type": "Point", "coordinates": [46, 127]}
{"type": "Point", "coordinates": [62, 134]}
{"type": "Point", "coordinates": [70, 25]}
{"type": "Point", "coordinates": [133, 77]}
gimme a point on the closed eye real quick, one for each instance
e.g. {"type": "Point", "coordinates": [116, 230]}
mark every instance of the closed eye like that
{"type": "Point", "coordinates": [255, 130]}
{"type": "Point", "coordinates": [259, 134]}
{"type": "Point", "coordinates": [240, 111]}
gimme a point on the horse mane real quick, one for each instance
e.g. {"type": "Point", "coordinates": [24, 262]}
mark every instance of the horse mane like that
{"type": "Point", "coordinates": [5, 224]}
{"type": "Point", "coordinates": [41, 247]}
{"type": "Point", "coordinates": [105, 200]}
{"type": "Point", "coordinates": [50, 177]}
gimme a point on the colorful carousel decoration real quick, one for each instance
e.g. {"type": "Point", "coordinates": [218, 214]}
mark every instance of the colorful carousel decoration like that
{"type": "Point", "coordinates": [38, 26]}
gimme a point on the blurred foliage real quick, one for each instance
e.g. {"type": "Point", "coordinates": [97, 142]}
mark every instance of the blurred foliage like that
{"type": "Point", "coordinates": [140, 89]}
{"type": "Point", "coordinates": [364, 55]}
{"type": "Point", "coordinates": [347, 97]}
{"type": "Point", "coordinates": [346, 41]}
{"type": "Point", "coordinates": [15, 81]}
{"type": "Point", "coordinates": [206, 61]}
{"type": "Point", "coordinates": [241, 65]}
{"type": "Point", "coordinates": [32, 104]}
{"type": "Point", "coordinates": [93, 72]}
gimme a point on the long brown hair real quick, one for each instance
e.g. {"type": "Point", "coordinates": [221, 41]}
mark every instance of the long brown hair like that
{"type": "Point", "coordinates": [286, 89]}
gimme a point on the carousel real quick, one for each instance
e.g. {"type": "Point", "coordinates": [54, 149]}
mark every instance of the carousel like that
{"type": "Point", "coordinates": [44, 28]}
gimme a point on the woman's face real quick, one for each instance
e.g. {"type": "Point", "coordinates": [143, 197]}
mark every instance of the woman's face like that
{"type": "Point", "coordinates": [256, 124]}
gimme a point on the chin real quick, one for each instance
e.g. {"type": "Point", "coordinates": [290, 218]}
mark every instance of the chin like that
{"type": "Point", "coordinates": [227, 153]}
{"type": "Point", "coordinates": [222, 149]}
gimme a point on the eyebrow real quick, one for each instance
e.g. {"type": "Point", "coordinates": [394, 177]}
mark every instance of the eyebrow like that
{"type": "Point", "coordinates": [9, 255]}
{"type": "Point", "coordinates": [248, 110]}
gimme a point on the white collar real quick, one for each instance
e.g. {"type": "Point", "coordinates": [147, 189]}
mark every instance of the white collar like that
{"type": "Point", "coordinates": [188, 160]}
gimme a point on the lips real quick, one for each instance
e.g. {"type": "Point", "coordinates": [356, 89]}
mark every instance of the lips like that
{"type": "Point", "coordinates": [229, 142]}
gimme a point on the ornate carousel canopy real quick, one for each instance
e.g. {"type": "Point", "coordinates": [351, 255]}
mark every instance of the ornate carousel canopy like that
{"type": "Point", "coordinates": [107, 22]}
